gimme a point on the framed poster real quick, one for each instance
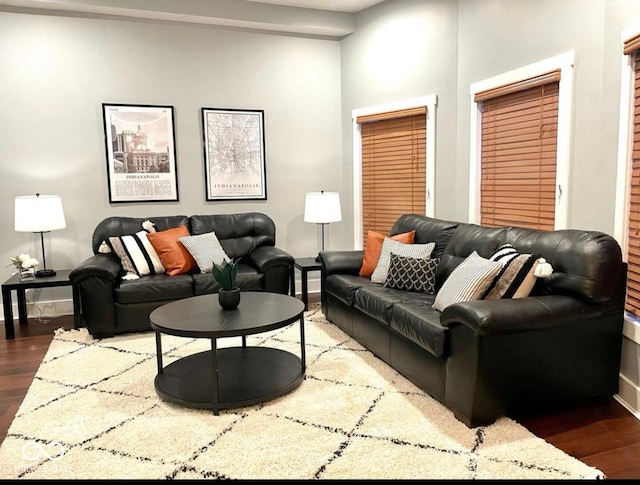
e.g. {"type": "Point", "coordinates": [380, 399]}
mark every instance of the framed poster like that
{"type": "Point", "coordinates": [141, 153]}
{"type": "Point", "coordinates": [234, 154]}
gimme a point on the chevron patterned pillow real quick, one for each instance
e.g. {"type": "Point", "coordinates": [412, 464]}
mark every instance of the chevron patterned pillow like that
{"type": "Point", "coordinates": [412, 274]}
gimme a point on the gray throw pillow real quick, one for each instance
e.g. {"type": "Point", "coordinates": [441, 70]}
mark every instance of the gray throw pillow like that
{"type": "Point", "coordinates": [205, 249]}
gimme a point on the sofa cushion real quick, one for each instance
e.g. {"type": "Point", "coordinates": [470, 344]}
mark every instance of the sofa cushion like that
{"type": "Point", "coordinates": [388, 246]}
{"type": "Point", "coordinates": [377, 301]}
{"type": "Point", "coordinates": [467, 282]}
{"type": "Point", "coordinates": [161, 287]}
{"type": "Point", "coordinates": [205, 249]}
{"type": "Point", "coordinates": [412, 274]}
{"type": "Point", "coordinates": [136, 253]}
{"type": "Point", "coordinates": [419, 322]}
{"type": "Point", "coordinates": [248, 279]}
{"type": "Point", "coordinates": [174, 256]}
{"type": "Point", "coordinates": [374, 246]}
{"type": "Point", "coordinates": [344, 286]}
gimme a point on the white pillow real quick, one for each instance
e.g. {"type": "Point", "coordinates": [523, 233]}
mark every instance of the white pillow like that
{"type": "Point", "coordinates": [205, 249]}
{"type": "Point", "coordinates": [468, 281]}
{"type": "Point", "coordinates": [420, 251]}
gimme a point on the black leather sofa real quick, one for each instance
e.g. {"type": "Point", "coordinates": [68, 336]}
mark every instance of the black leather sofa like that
{"type": "Point", "coordinates": [112, 305]}
{"type": "Point", "coordinates": [484, 359]}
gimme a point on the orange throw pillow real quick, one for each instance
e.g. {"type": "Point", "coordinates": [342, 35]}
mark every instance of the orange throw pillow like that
{"type": "Point", "coordinates": [175, 258]}
{"type": "Point", "coordinates": [374, 246]}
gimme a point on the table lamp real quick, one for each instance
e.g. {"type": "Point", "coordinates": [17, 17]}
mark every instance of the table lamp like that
{"type": "Point", "coordinates": [39, 213]}
{"type": "Point", "coordinates": [322, 208]}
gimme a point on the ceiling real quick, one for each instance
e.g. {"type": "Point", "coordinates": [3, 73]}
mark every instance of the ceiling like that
{"type": "Point", "coordinates": [352, 6]}
{"type": "Point", "coordinates": [332, 19]}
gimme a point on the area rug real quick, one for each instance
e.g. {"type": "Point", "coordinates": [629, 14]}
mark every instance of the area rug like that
{"type": "Point", "coordinates": [92, 413]}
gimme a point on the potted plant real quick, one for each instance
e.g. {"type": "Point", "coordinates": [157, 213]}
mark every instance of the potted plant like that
{"type": "Point", "coordinates": [225, 274]}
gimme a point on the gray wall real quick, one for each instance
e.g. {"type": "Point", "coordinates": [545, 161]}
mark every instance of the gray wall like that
{"type": "Point", "coordinates": [56, 71]}
{"type": "Point", "coordinates": [462, 42]}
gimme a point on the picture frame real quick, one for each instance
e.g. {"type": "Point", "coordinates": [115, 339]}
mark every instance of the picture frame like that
{"type": "Point", "coordinates": [234, 154]}
{"type": "Point", "coordinates": [141, 152]}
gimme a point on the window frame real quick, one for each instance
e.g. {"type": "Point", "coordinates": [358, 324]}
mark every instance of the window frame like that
{"type": "Point", "coordinates": [430, 102]}
{"type": "Point", "coordinates": [563, 62]}
{"type": "Point", "coordinates": [631, 327]}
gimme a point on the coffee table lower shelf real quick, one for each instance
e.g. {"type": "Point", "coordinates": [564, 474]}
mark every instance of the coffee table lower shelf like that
{"type": "Point", "coordinates": [246, 376]}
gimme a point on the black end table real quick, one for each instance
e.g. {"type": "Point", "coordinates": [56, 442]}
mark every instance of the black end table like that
{"type": "Point", "coordinates": [304, 265]}
{"type": "Point", "coordinates": [61, 278]}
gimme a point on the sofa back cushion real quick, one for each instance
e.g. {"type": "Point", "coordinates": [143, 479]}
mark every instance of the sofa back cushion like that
{"type": "Point", "coordinates": [466, 239]}
{"type": "Point", "coordinates": [239, 234]}
{"type": "Point", "coordinates": [586, 264]}
{"type": "Point", "coordinates": [427, 230]}
{"type": "Point", "coordinates": [122, 226]}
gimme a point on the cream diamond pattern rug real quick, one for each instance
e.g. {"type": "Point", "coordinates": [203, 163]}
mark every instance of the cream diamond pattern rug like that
{"type": "Point", "coordinates": [92, 413]}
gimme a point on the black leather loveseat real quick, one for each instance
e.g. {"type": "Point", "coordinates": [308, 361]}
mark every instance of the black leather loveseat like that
{"type": "Point", "coordinates": [112, 305]}
{"type": "Point", "coordinates": [488, 358]}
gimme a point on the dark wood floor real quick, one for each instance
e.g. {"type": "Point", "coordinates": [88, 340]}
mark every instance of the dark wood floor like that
{"type": "Point", "coordinates": [603, 435]}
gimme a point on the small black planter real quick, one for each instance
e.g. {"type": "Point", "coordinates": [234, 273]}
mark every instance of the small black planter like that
{"type": "Point", "coordinates": [229, 299]}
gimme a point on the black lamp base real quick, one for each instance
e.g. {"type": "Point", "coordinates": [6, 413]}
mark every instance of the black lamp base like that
{"type": "Point", "coordinates": [45, 272]}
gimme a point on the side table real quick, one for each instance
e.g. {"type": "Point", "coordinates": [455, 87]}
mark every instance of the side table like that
{"type": "Point", "coordinates": [304, 265]}
{"type": "Point", "coordinates": [61, 278]}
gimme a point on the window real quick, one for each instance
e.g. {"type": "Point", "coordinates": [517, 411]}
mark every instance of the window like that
{"type": "Point", "coordinates": [628, 191]}
{"type": "Point", "coordinates": [520, 146]}
{"type": "Point", "coordinates": [393, 164]}
{"type": "Point", "coordinates": [518, 161]}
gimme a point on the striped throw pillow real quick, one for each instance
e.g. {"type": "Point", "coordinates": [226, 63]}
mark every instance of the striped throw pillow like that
{"type": "Point", "coordinates": [389, 246]}
{"type": "Point", "coordinates": [467, 282]}
{"type": "Point", "coordinates": [517, 278]}
{"type": "Point", "coordinates": [137, 255]}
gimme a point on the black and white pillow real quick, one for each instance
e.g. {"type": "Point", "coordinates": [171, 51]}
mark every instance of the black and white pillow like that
{"type": "Point", "coordinates": [518, 274]}
{"type": "Point", "coordinates": [412, 274]}
{"type": "Point", "coordinates": [401, 249]}
{"type": "Point", "coordinates": [137, 255]}
{"type": "Point", "coordinates": [205, 249]}
{"type": "Point", "coordinates": [467, 282]}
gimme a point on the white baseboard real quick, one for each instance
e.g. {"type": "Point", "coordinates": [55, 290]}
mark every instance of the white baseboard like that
{"type": "Point", "coordinates": [629, 396]}
{"type": "Point", "coordinates": [40, 309]}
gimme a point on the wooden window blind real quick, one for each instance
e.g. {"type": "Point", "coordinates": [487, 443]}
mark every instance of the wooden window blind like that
{"type": "Point", "coordinates": [518, 154]}
{"type": "Point", "coordinates": [393, 167]}
{"type": "Point", "coordinates": [633, 237]}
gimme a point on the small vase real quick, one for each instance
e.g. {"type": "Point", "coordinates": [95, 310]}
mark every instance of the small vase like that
{"type": "Point", "coordinates": [27, 274]}
{"type": "Point", "coordinates": [229, 299]}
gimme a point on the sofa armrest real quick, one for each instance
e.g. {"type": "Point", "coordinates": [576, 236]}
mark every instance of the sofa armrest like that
{"type": "Point", "coordinates": [266, 257]}
{"type": "Point", "coordinates": [277, 266]}
{"type": "Point", "coordinates": [508, 316]}
{"type": "Point", "coordinates": [99, 266]}
{"type": "Point", "coordinates": [96, 278]}
{"type": "Point", "coordinates": [341, 262]}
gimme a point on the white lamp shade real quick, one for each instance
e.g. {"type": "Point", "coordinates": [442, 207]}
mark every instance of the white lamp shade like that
{"type": "Point", "coordinates": [39, 213]}
{"type": "Point", "coordinates": [322, 207]}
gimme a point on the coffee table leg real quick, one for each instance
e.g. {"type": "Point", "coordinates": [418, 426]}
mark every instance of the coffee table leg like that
{"type": "Point", "coordinates": [302, 352]}
{"type": "Point", "coordinates": [159, 353]}
{"type": "Point", "coordinates": [214, 372]}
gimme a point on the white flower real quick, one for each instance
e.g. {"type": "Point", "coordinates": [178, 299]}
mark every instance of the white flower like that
{"type": "Point", "coordinates": [30, 263]}
{"type": "Point", "coordinates": [24, 261]}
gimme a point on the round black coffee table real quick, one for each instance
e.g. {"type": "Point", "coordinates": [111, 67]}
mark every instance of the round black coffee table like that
{"type": "Point", "coordinates": [228, 377]}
